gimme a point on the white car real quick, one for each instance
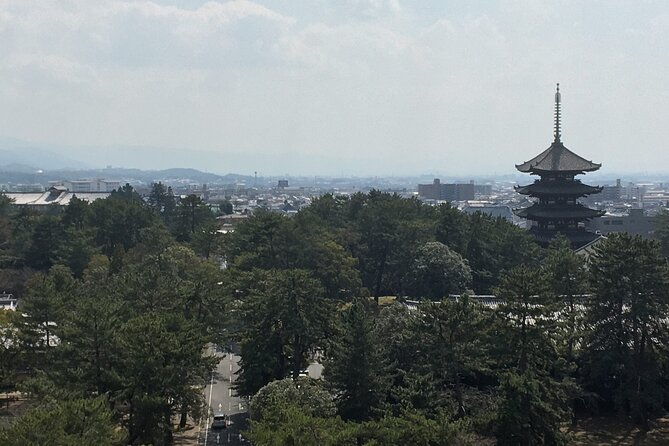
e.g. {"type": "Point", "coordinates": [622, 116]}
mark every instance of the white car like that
{"type": "Point", "coordinates": [220, 421]}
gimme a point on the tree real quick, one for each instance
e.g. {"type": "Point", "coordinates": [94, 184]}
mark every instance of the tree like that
{"type": "Point", "coordinates": [451, 340]}
{"type": "Point", "coordinates": [43, 306]}
{"type": "Point", "coordinates": [192, 214]}
{"type": "Point", "coordinates": [76, 214]}
{"type": "Point", "coordinates": [305, 393]}
{"type": "Point", "coordinates": [437, 272]}
{"type": "Point", "coordinates": [10, 349]}
{"type": "Point", "coordinates": [162, 201]}
{"type": "Point", "coordinates": [271, 241]}
{"type": "Point", "coordinates": [354, 368]}
{"type": "Point", "coordinates": [286, 318]}
{"type": "Point", "coordinates": [47, 237]}
{"type": "Point", "coordinates": [662, 232]}
{"type": "Point", "coordinates": [290, 425]}
{"type": "Point", "coordinates": [626, 344]}
{"type": "Point", "coordinates": [206, 240]}
{"type": "Point", "coordinates": [567, 276]}
{"type": "Point", "coordinates": [494, 246]}
{"type": "Point", "coordinates": [76, 250]}
{"type": "Point", "coordinates": [533, 401]}
{"type": "Point", "coordinates": [89, 351]}
{"type": "Point", "coordinates": [452, 228]}
{"type": "Point", "coordinates": [119, 220]}
{"type": "Point", "coordinates": [162, 369]}
{"type": "Point", "coordinates": [79, 422]}
{"type": "Point", "coordinates": [388, 228]}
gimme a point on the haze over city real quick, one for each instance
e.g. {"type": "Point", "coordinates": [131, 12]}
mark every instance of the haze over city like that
{"type": "Point", "coordinates": [335, 88]}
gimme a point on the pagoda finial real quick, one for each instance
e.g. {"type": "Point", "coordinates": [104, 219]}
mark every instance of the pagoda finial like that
{"type": "Point", "coordinates": [558, 99]}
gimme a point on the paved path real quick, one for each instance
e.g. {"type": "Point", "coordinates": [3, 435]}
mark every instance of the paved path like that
{"type": "Point", "coordinates": [220, 397]}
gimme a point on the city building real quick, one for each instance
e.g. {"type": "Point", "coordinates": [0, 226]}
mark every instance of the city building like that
{"type": "Point", "coordinates": [446, 191]}
{"type": "Point", "coordinates": [636, 222]}
{"type": "Point", "coordinates": [88, 185]}
{"type": "Point", "coordinates": [494, 210]}
{"type": "Point", "coordinates": [557, 209]}
{"type": "Point", "coordinates": [7, 301]}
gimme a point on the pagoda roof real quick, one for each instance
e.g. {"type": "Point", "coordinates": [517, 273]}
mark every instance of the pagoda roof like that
{"type": "Point", "coordinates": [557, 158]}
{"type": "Point", "coordinates": [579, 238]}
{"type": "Point", "coordinates": [543, 211]}
{"type": "Point", "coordinates": [558, 188]}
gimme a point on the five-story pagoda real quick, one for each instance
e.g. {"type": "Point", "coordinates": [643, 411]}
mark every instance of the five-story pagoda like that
{"type": "Point", "coordinates": [557, 209]}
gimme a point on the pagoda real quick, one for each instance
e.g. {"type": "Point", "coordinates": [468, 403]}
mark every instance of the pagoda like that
{"type": "Point", "coordinates": [557, 209]}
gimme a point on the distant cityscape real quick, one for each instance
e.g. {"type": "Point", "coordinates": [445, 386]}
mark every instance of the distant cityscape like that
{"type": "Point", "coordinates": [628, 205]}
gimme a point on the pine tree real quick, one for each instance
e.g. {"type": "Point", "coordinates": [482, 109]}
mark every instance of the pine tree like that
{"type": "Point", "coordinates": [354, 369]}
{"type": "Point", "coordinates": [626, 344]}
{"type": "Point", "coordinates": [533, 400]}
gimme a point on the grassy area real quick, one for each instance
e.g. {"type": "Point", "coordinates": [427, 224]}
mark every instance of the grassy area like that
{"type": "Point", "coordinates": [611, 431]}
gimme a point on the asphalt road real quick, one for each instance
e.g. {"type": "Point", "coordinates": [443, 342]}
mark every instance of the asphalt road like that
{"type": "Point", "coordinates": [221, 397]}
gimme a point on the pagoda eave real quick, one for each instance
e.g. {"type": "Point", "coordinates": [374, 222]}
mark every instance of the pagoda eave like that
{"type": "Point", "coordinates": [542, 212]}
{"type": "Point", "coordinates": [574, 189]}
{"type": "Point", "coordinates": [557, 158]}
{"type": "Point", "coordinates": [578, 237]}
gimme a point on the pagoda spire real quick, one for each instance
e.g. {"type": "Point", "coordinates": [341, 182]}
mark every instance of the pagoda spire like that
{"type": "Point", "coordinates": [558, 100]}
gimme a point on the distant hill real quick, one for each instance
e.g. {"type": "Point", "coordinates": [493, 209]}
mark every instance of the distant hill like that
{"type": "Point", "coordinates": [26, 162]}
{"type": "Point", "coordinates": [7, 175]}
{"type": "Point", "coordinates": [15, 153]}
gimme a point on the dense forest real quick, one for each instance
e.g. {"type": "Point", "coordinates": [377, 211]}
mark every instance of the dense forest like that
{"type": "Point", "coordinates": [120, 297]}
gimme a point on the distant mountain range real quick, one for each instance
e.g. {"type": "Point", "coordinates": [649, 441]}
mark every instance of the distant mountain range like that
{"type": "Point", "coordinates": [21, 174]}
{"type": "Point", "coordinates": [49, 157]}
{"type": "Point", "coordinates": [24, 162]}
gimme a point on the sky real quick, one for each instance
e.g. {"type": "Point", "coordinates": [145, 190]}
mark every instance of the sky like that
{"type": "Point", "coordinates": [342, 86]}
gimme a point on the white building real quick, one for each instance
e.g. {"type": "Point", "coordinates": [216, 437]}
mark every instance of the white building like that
{"type": "Point", "coordinates": [88, 185]}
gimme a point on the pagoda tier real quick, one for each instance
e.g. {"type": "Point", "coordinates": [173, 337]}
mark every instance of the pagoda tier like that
{"type": "Point", "coordinates": [575, 212]}
{"type": "Point", "coordinates": [573, 188]}
{"type": "Point", "coordinates": [558, 158]}
{"type": "Point", "coordinates": [557, 209]}
{"type": "Point", "coordinates": [577, 237]}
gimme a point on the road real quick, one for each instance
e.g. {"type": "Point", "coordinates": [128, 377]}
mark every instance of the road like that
{"type": "Point", "coordinates": [220, 397]}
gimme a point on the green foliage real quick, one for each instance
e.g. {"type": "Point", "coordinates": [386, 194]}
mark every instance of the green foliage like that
{"type": "Point", "coordinates": [272, 241]}
{"type": "Point", "coordinates": [437, 272]}
{"type": "Point", "coordinates": [662, 232]}
{"type": "Point", "coordinates": [567, 278]}
{"type": "Point", "coordinates": [47, 237]}
{"type": "Point", "coordinates": [626, 343]}
{"type": "Point", "coordinates": [121, 310]}
{"type": "Point", "coordinates": [416, 429]}
{"type": "Point", "coordinates": [285, 317]}
{"type": "Point", "coordinates": [119, 219]}
{"type": "Point", "coordinates": [10, 348]}
{"type": "Point", "coordinates": [533, 399]}
{"type": "Point", "coordinates": [80, 422]}
{"type": "Point", "coordinates": [354, 369]}
{"type": "Point", "coordinates": [287, 425]}
{"type": "Point", "coordinates": [305, 393]}
{"type": "Point", "coordinates": [192, 214]}
{"type": "Point", "coordinates": [452, 336]}
{"type": "Point", "coordinates": [162, 201]}
{"type": "Point", "coordinates": [135, 335]}
{"type": "Point", "coordinates": [530, 411]}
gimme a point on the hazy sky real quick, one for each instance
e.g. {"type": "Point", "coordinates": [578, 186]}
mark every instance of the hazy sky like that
{"type": "Point", "coordinates": [387, 86]}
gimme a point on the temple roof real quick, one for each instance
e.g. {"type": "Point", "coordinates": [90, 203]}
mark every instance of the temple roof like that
{"type": "Point", "coordinates": [557, 158]}
{"type": "Point", "coordinates": [579, 238]}
{"type": "Point", "coordinates": [558, 188]}
{"type": "Point", "coordinates": [543, 211]}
